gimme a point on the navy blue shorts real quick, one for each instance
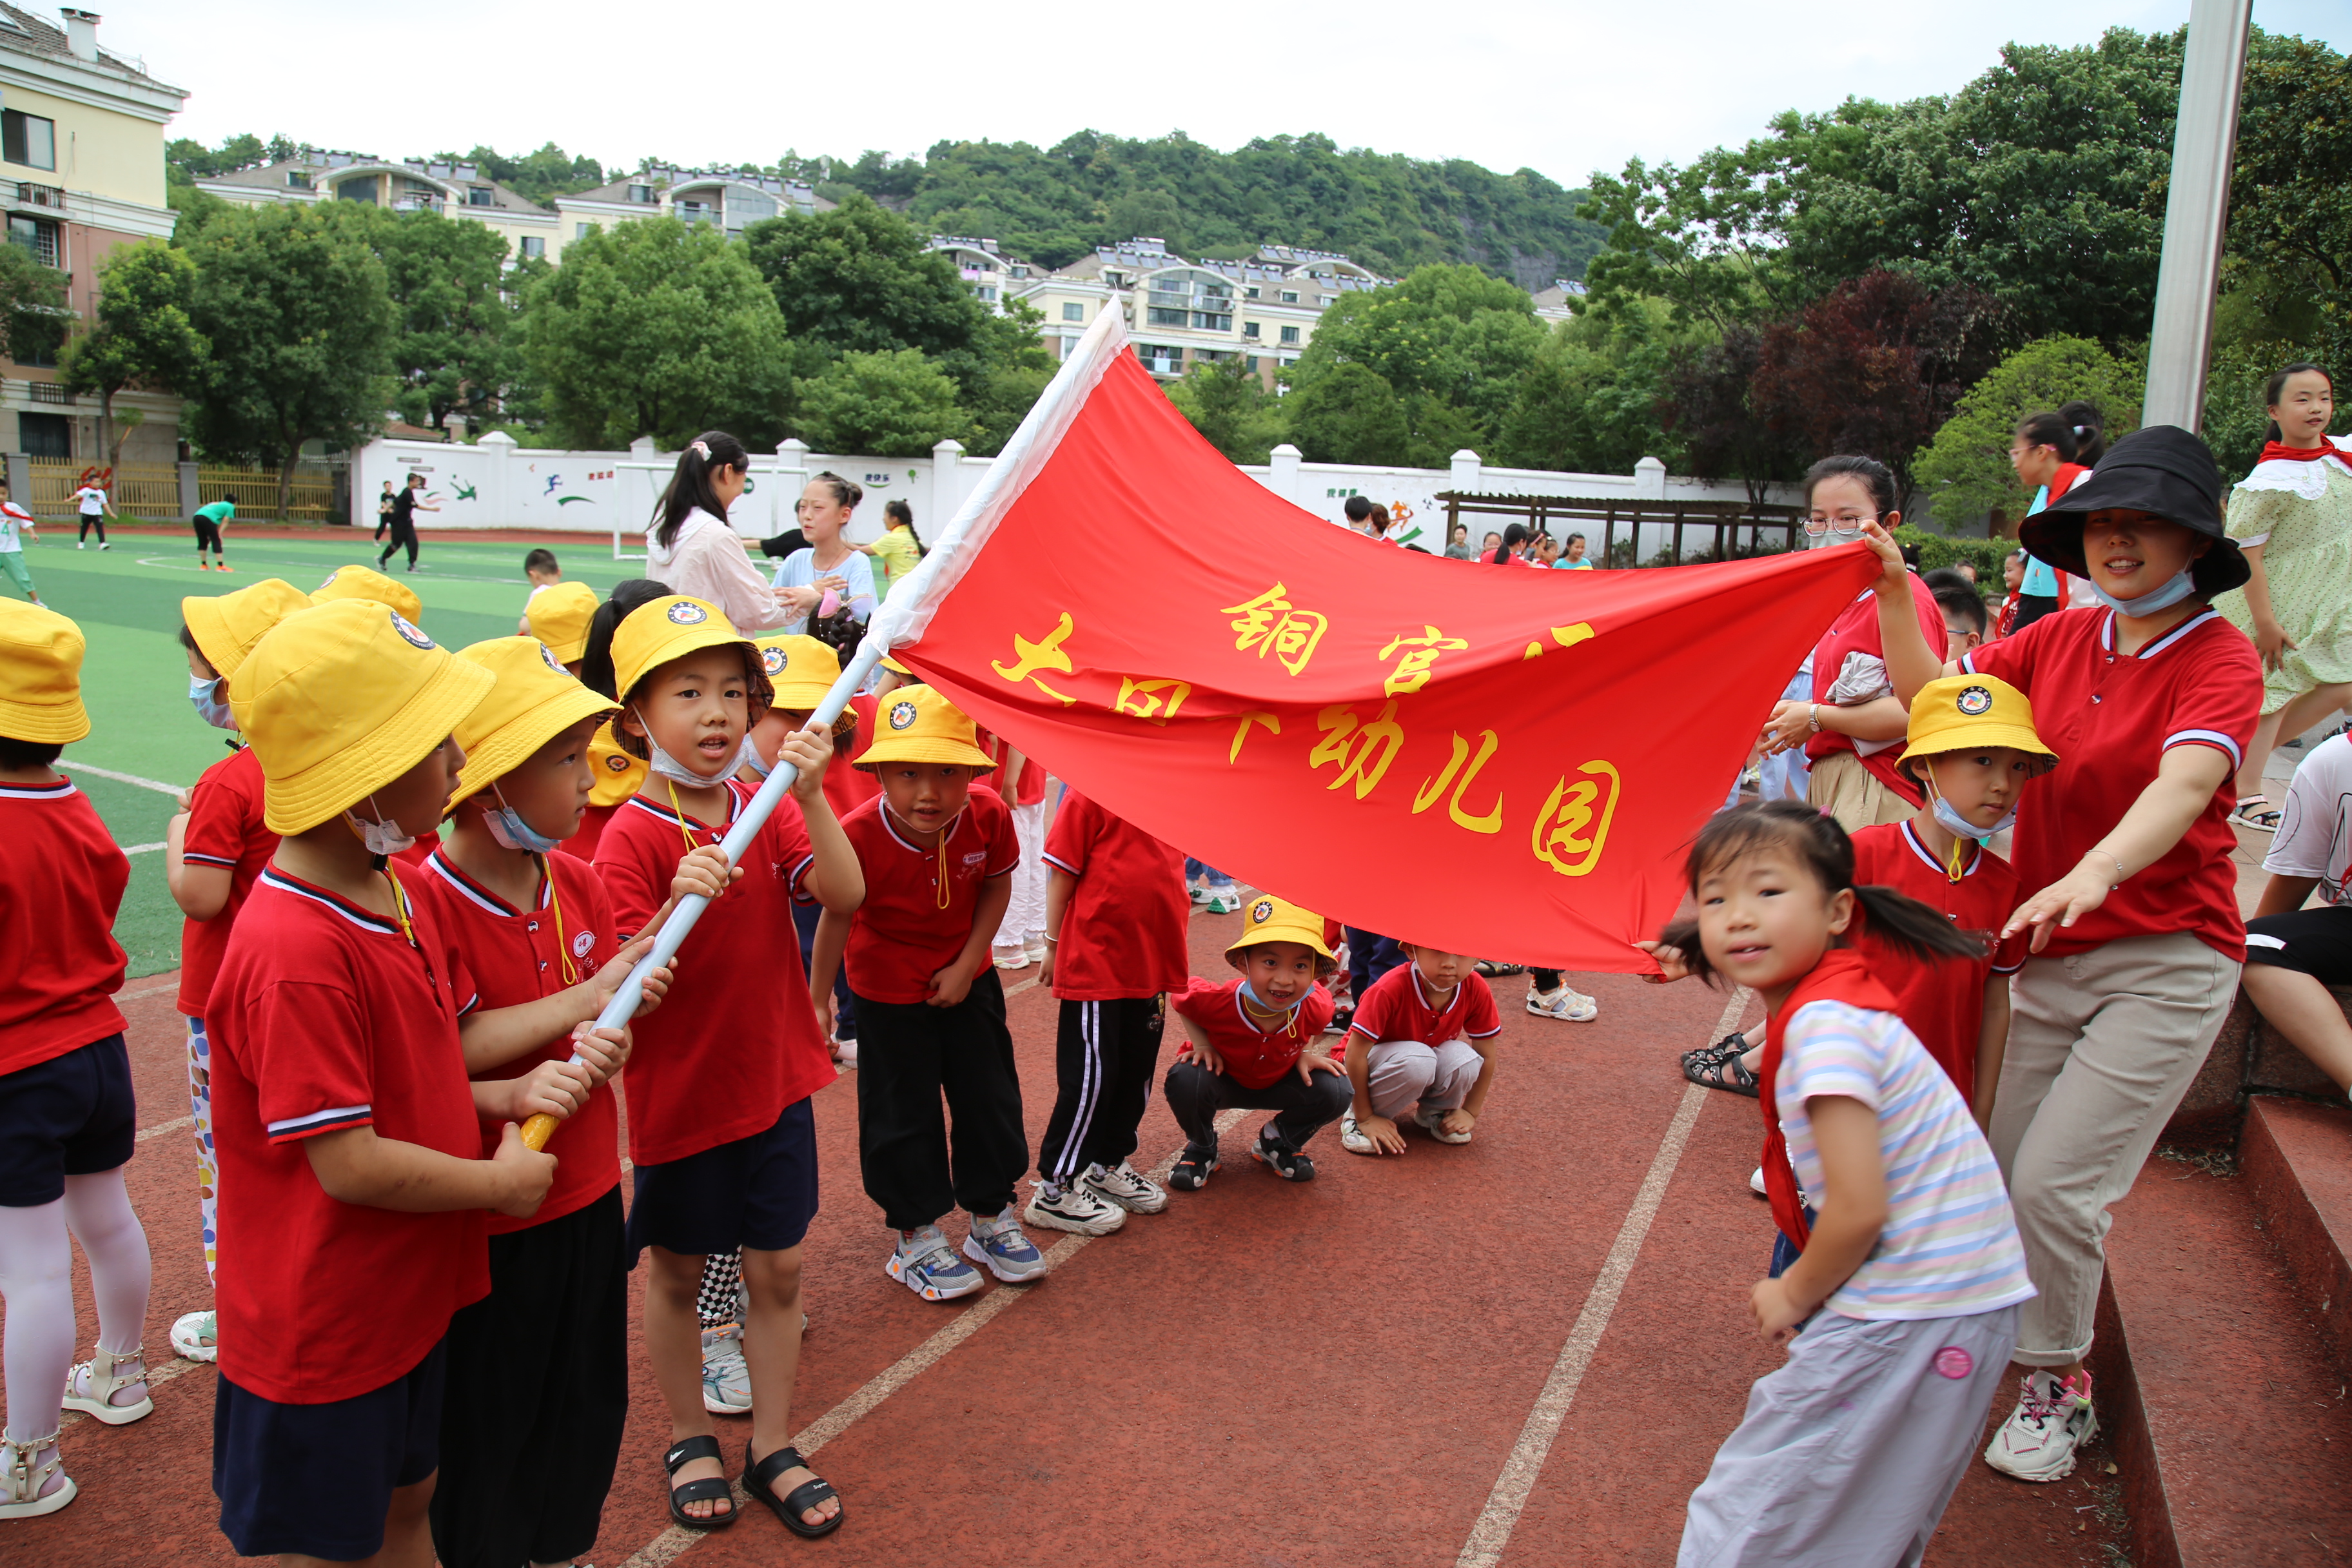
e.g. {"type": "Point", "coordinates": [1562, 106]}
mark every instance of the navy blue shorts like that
{"type": "Point", "coordinates": [70, 1116]}
{"type": "Point", "coordinates": [319, 1479]}
{"type": "Point", "coordinates": [757, 1192]}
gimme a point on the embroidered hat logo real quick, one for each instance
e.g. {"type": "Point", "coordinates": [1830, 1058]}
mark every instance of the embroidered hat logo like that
{"type": "Point", "coordinates": [409, 632]}
{"type": "Point", "coordinates": [617, 763]}
{"type": "Point", "coordinates": [686, 614]}
{"type": "Point", "coordinates": [772, 661]}
{"type": "Point", "coordinates": [548, 654]}
{"type": "Point", "coordinates": [1261, 911]}
{"type": "Point", "coordinates": [901, 715]}
{"type": "Point", "coordinates": [1974, 700]}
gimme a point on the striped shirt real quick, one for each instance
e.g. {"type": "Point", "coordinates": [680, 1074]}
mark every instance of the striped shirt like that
{"type": "Point", "coordinates": [1949, 1249]}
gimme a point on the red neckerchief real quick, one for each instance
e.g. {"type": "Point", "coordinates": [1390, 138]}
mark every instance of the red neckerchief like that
{"type": "Point", "coordinates": [1839, 976]}
{"type": "Point", "coordinates": [2326, 449]}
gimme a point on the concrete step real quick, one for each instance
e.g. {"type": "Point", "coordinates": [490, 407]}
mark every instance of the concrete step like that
{"type": "Point", "coordinates": [2249, 1058]}
{"type": "Point", "coordinates": [2223, 1395]}
{"type": "Point", "coordinates": [2296, 1159]}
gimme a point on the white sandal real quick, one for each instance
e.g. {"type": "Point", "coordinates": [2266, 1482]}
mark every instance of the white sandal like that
{"type": "Point", "coordinates": [92, 1385]}
{"type": "Point", "coordinates": [191, 1329]}
{"type": "Point", "coordinates": [20, 1485]}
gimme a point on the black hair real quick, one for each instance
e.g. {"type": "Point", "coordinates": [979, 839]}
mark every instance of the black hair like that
{"type": "Point", "coordinates": [2089, 428]}
{"type": "Point", "coordinates": [1943, 577]}
{"type": "Point", "coordinates": [846, 492]}
{"type": "Point", "coordinates": [1513, 537]}
{"type": "Point", "coordinates": [689, 486]}
{"type": "Point", "coordinates": [188, 641]}
{"type": "Point", "coordinates": [1461, 528]}
{"type": "Point", "coordinates": [1358, 509]}
{"type": "Point", "coordinates": [1962, 600]}
{"type": "Point", "coordinates": [1416, 548]}
{"type": "Point", "coordinates": [230, 498]}
{"type": "Point", "coordinates": [1570, 540]}
{"type": "Point", "coordinates": [898, 514]}
{"type": "Point", "coordinates": [2275, 388]}
{"type": "Point", "coordinates": [1876, 476]}
{"type": "Point", "coordinates": [2049, 428]}
{"type": "Point", "coordinates": [1823, 848]}
{"type": "Point", "coordinates": [15, 753]}
{"type": "Point", "coordinates": [414, 481]}
{"type": "Point", "coordinates": [541, 559]}
{"type": "Point", "coordinates": [596, 658]}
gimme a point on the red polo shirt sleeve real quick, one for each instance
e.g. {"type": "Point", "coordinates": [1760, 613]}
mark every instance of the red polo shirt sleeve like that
{"type": "Point", "coordinates": [1124, 925]}
{"type": "Point", "coordinates": [61, 881]}
{"type": "Point", "coordinates": [224, 831]}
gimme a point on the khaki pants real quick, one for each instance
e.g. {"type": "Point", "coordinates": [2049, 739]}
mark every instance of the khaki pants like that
{"type": "Point", "coordinates": [2102, 1047]}
{"type": "Point", "coordinates": [1842, 787]}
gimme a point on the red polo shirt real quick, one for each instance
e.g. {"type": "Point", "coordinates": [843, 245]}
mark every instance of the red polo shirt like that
{"type": "Point", "coordinates": [325, 1016]}
{"type": "Point", "coordinates": [61, 881]}
{"type": "Point", "coordinates": [1942, 1002]}
{"type": "Point", "coordinates": [1255, 1058]}
{"type": "Point", "coordinates": [1856, 631]}
{"type": "Point", "coordinates": [844, 786]}
{"type": "Point", "coordinates": [907, 930]}
{"type": "Point", "coordinates": [1397, 1006]}
{"type": "Point", "coordinates": [520, 955]}
{"type": "Point", "coordinates": [1124, 927]}
{"type": "Point", "coordinates": [736, 1041]}
{"type": "Point", "coordinates": [226, 830]}
{"type": "Point", "coordinates": [2111, 717]}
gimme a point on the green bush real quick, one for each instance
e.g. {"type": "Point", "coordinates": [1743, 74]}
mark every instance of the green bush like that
{"type": "Point", "coordinates": [1941, 549]}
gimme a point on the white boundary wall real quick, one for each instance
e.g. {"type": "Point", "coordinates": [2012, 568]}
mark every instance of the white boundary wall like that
{"type": "Point", "coordinates": [498, 484]}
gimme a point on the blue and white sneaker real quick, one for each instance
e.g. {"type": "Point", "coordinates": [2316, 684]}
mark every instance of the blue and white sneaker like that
{"type": "Point", "coordinates": [925, 1264]}
{"type": "Point", "coordinates": [1001, 1247]}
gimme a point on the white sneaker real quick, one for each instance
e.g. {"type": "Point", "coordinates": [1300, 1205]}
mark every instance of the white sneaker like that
{"type": "Point", "coordinates": [1076, 1208]}
{"type": "Point", "coordinates": [1565, 1002]}
{"type": "Point", "coordinates": [82, 544]}
{"type": "Point", "coordinates": [191, 1329]}
{"type": "Point", "coordinates": [848, 1053]}
{"type": "Point", "coordinates": [1035, 941]}
{"type": "Point", "coordinates": [2052, 1419]}
{"type": "Point", "coordinates": [1756, 1183]}
{"type": "Point", "coordinates": [103, 545]}
{"type": "Point", "coordinates": [1014, 957]}
{"type": "Point", "coordinates": [1432, 1120]}
{"type": "Point", "coordinates": [726, 1380]}
{"type": "Point", "coordinates": [1351, 1137]}
{"type": "Point", "coordinates": [1130, 1190]}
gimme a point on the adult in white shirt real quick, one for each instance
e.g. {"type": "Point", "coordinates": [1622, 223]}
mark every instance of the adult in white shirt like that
{"type": "Point", "coordinates": [2295, 954]}
{"type": "Point", "coordinates": [96, 505]}
{"type": "Point", "coordinates": [691, 547]}
{"type": "Point", "coordinates": [829, 562]}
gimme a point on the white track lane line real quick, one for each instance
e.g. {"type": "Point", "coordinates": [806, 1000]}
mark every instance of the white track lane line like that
{"type": "Point", "coordinates": [1491, 1532]}
{"type": "Point", "coordinates": [675, 1541]}
{"type": "Point", "coordinates": [157, 784]}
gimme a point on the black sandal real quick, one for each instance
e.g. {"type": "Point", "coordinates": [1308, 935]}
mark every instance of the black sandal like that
{"type": "Point", "coordinates": [710, 1489]}
{"type": "Point", "coordinates": [1718, 1067]}
{"type": "Point", "coordinates": [1495, 971]}
{"type": "Point", "coordinates": [760, 1481]}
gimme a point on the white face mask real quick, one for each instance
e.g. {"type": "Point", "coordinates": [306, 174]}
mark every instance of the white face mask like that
{"type": "Point", "coordinates": [205, 695]}
{"type": "Point", "coordinates": [384, 838]}
{"type": "Point", "coordinates": [669, 767]}
{"type": "Point", "coordinates": [2147, 604]}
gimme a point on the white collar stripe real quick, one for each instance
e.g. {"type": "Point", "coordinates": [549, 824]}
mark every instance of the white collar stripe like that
{"type": "Point", "coordinates": [2176, 633]}
{"type": "Point", "coordinates": [1919, 847]}
{"type": "Point", "coordinates": [38, 791]}
{"type": "Point", "coordinates": [456, 878]}
{"type": "Point", "coordinates": [359, 918]}
{"type": "Point", "coordinates": [317, 1120]}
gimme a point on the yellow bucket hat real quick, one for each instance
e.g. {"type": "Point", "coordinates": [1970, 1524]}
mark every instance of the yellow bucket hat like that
{"type": "Point", "coordinates": [342, 698]}
{"type": "Point", "coordinates": [361, 583]}
{"type": "Point", "coordinates": [660, 630]}
{"type": "Point", "coordinates": [1960, 712]}
{"type": "Point", "coordinates": [227, 628]}
{"type": "Point", "coordinates": [894, 667]}
{"type": "Point", "coordinates": [535, 700]}
{"type": "Point", "coordinates": [40, 676]}
{"type": "Point", "coordinates": [1268, 919]}
{"type": "Point", "coordinates": [801, 669]}
{"type": "Point", "coordinates": [915, 724]}
{"type": "Point", "coordinates": [619, 774]}
{"type": "Point", "coordinates": [559, 616]}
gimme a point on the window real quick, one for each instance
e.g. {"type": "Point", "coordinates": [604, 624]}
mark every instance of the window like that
{"type": "Point", "coordinates": [534, 248]}
{"type": "Point", "coordinates": [360, 190]}
{"type": "Point", "coordinates": [296, 180]}
{"type": "Point", "coordinates": [1250, 293]}
{"type": "Point", "coordinates": [45, 434]}
{"type": "Point", "coordinates": [29, 139]}
{"type": "Point", "coordinates": [984, 292]}
{"type": "Point", "coordinates": [1249, 330]}
{"type": "Point", "coordinates": [1074, 313]}
{"type": "Point", "coordinates": [1251, 364]}
{"type": "Point", "coordinates": [643, 193]}
{"type": "Point", "coordinates": [1115, 279]}
{"type": "Point", "coordinates": [580, 231]}
{"type": "Point", "coordinates": [1290, 296]}
{"type": "Point", "coordinates": [477, 195]}
{"type": "Point", "coordinates": [35, 235]}
{"type": "Point", "coordinates": [1160, 317]}
{"type": "Point", "coordinates": [1289, 336]}
{"type": "Point", "coordinates": [1018, 272]}
{"type": "Point", "coordinates": [1161, 359]}
{"type": "Point", "coordinates": [1324, 300]}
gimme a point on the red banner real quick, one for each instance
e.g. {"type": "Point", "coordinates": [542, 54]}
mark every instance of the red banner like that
{"type": "Point", "coordinates": [1494, 760]}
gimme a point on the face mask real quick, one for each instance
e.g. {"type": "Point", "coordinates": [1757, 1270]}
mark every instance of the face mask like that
{"type": "Point", "coordinates": [206, 697]}
{"type": "Point", "coordinates": [2163, 598]}
{"type": "Point", "coordinates": [749, 757]}
{"type": "Point", "coordinates": [384, 838]}
{"type": "Point", "coordinates": [670, 768]}
{"type": "Point", "coordinates": [1959, 826]}
{"type": "Point", "coordinates": [1835, 535]}
{"type": "Point", "coordinates": [1263, 1004]}
{"type": "Point", "coordinates": [507, 826]}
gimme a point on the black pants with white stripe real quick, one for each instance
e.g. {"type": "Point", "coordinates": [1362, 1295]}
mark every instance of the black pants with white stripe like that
{"type": "Point", "coordinates": [1106, 1055]}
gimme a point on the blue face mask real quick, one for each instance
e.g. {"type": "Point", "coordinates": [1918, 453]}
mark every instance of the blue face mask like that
{"type": "Point", "coordinates": [507, 826]}
{"type": "Point", "coordinates": [206, 697]}
{"type": "Point", "coordinates": [1262, 1005]}
{"type": "Point", "coordinates": [1959, 826]}
{"type": "Point", "coordinates": [2163, 598]}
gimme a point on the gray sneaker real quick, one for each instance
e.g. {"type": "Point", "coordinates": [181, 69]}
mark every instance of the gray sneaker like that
{"type": "Point", "coordinates": [925, 1264]}
{"type": "Point", "coordinates": [726, 1380]}
{"type": "Point", "coordinates": [1134, 1193]}
{"type": "Point", "coordinates": [999, 1244]}
{"type": "Point", "coordinates": [1076, 1208]}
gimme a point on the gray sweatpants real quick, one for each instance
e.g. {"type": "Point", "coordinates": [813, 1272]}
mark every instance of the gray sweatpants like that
{"type": "Point", "coordinates": [1402, 1074]}
{"type": "Point", "coordinates": [1850, 1450]}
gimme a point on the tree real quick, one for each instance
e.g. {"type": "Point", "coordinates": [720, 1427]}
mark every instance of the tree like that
{"type": "Point", "coordinates": [1593, 399]}
{"type": "Point", "coordinates": [1965, 471]}
{"type": "Point", "coordinates": [541, 177]}
{"type": "Point", "coordinates": [2290, 206]}
{"type": "Point", "coordinates": [863, 279]}
{"type": "Point", "coordinates": [1349, 414]}
{"type": "Point", "coordinates": [656, 329]}
{"type": "Point", "coordinates": [1005, 400]}
{"type": "Point", "coordinates": [1712, 408]}
{"type": "Point", "coordinates": [145, 334]}
{"type": "Point", "coordinates": [293, 303]}
{"type": "Point", "coordinates": [1231, 408]}
{"type": "Point", "coordinates": [448, 290]}
{"type": "Point", "coordinates": [33, 313]}
{"type": "Point", "coordinates": [893, 404]}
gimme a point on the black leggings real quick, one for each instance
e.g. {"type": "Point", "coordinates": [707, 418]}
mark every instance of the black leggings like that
{"type": "Point", "coordinates": [97, 522]}
{"type": "Point", "coordinates": [1546, 980]}
{"type": "Point", "coordinates": [401, 535]}
{"type": "Point", "coordinates": [207, 533]}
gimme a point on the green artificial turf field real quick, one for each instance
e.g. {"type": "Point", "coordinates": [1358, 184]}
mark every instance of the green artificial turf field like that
{"type": "Point", "coordinates": [134, 679]}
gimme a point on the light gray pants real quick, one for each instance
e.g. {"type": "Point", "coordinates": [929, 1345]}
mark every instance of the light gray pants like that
{"type": "Point", "coordinates": [1850, 1452]}
{"type": "Point", "coordinates": [2102, 1047]}
{"type": "Point", "coordinates": [1402, 1074]}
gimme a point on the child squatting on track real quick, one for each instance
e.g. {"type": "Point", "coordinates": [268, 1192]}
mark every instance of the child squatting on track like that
{"type": "Point", "coordinates": [721, 1130]}
{"type": "Point", "coordinates": [67, 1116]}
{"type": "Point", "coordinates": [1422, 1045]}
{"type": "Point", "coordinates": [1901, 1308]}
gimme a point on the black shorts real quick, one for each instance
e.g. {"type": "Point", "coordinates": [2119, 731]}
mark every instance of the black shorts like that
{"type": "Point", "coordinates": [319, 1479]}
{"type": "Point", "coordinates": [757, 1192]}
{"type": "Point", "coordinates": [70, 1116]}
{"type": "Point", "coordinates": [207, 533]}
{"type": "Point", "coordinates": [2317, 942]}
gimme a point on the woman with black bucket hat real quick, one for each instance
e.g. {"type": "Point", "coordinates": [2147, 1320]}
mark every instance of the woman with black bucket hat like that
{"type": "Point", "coordinates": [2151, 700]}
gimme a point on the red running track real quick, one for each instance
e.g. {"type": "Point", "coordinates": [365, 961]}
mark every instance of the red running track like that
{"type": "Point", "coordinates": [1267, 1376]}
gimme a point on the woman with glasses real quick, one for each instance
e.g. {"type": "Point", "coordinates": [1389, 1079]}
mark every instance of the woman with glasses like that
{"type": "Point", "coordinates": [1851, 729]}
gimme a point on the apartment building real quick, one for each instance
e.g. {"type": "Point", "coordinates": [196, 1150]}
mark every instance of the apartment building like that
{"type": "Point", "coordinates": [726, 199]}
{"type": "Point", "coordinates": [81, 172]}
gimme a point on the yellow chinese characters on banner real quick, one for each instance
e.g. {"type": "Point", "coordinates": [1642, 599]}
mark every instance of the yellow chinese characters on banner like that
{"type": "Point", "coordinates": [1271, 621]}
{"type": "Point", "coordinates": [1029, 657]}
{"type": "Point", "coordinates": [1413, 671]}
{"type": "Point", "coordinates": [1568, 837]}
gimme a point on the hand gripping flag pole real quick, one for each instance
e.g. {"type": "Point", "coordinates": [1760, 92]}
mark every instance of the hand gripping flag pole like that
{"type": "Point", "coordinates": [900, 620]}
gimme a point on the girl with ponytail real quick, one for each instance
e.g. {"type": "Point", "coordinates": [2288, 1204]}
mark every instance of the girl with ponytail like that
{"type": "Point", "coordinates": [690, 545]}
{"type": "Point", "coordinates": [899, 549]}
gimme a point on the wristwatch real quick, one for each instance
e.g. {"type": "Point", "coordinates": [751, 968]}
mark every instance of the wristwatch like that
{"type": "Point", "coordinates": [1813, 716]}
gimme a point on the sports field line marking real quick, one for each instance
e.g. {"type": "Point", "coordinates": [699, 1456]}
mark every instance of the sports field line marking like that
{"type": "Point", "coordinates": [155, 785]}
{"type": "Point", "coordinates": [163, 1127]}
{"type": "Point", "coordinates": [164, 1374]}
{"type": "Point", "coordinates": [1491, 1532]}
{"type": "Point", "coordinates": [675, 1540]}
{"type": "Point", "coordinates": [144, 848]}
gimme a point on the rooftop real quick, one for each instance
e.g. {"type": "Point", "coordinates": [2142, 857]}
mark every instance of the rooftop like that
{"type": "Point", "coordinates": [27, 32]}
{"type": "Point", "coordinates": [308, 163]}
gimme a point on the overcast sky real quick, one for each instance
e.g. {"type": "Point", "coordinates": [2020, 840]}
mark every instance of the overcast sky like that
{"type": "Point", "coordinates": [1560, 88]}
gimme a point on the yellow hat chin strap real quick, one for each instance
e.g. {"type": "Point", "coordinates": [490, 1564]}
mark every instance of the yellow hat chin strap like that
{"type": "Point", "coordinates": [940, 879]}
{"type": "Point", "coordinates": [1955, 864]}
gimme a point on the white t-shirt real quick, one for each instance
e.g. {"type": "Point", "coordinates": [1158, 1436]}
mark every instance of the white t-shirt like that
{"type": "Point", "coordinates": [12, 518]}
{"type": "Point", "coordinates": [1949, 1249]}
{"type": "Point", "coordinates": [799, 569]}
{"type": "Point", "coordinates": [2313, 839]}
{"type": "Point", "coordinates": [92, 499]}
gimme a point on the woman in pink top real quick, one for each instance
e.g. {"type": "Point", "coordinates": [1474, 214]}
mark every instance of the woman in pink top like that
{"type": "Point", "coordinates": [692, 548]}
